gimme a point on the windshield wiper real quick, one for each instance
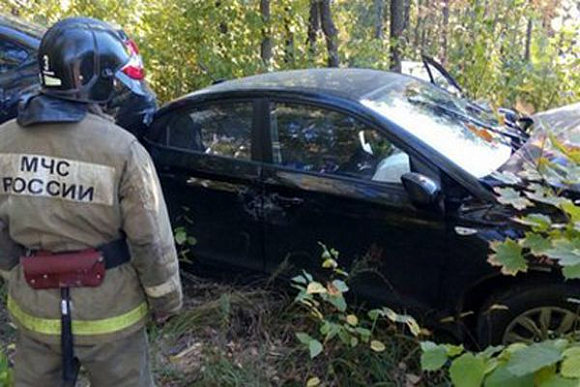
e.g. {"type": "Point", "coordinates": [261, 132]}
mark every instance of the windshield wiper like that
{"type": "Point", "coordinates": [516, 140]}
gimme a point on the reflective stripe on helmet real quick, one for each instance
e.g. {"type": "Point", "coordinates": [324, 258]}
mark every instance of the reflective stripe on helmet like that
{"type": "Point", "coordinates": [79, 327]}
{"type": "Point", "coordinates": [165, 288]}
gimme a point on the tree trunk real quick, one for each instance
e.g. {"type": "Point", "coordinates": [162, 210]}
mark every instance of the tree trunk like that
{"type": "Point", "coordinates": [379, 21]}
{"type": "Point", "coordinates": [417, 35]}
{"type": "Point", "coordinates": [266, 46]}
{"type": "Point", "coordinates": [425, 26]}
{"type": "Point", "coordinates": [444, 32]}
{"type": "Point", "coordinates": [528, 40]}
{"type": "Point", "coordinates": [407, 16]}
{"type": "Point", "coordinates": [330, 32]}
{"type": "Point", "coordinates": [289, 37]}
{"type": "Point", "coordinates": [397, 27]}
{"type": "Point", "coordinates": [313, 27]}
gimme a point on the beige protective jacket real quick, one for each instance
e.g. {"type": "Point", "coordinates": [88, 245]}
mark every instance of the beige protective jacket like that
{"type": "Point", "coordinates": [66, 187]}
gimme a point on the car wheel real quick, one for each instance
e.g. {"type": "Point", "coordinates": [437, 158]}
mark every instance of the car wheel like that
{"type": "Point", "coordinates": [529, 314]}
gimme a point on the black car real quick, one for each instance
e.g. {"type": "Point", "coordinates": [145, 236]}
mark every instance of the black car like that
{"type": "Point", "coordinates": [132, 106]}
{"type": "Point", "coordinates": [389, 170]}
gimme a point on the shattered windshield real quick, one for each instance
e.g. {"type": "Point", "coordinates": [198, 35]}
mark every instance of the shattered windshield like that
{"type": "Point", "coordinates": [444, 123]}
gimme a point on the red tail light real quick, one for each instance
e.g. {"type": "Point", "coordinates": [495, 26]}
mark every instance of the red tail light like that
{"type": "Point", "coordinates": [134, 68]}
{"type": "Point", "coordinates": [135, 72]}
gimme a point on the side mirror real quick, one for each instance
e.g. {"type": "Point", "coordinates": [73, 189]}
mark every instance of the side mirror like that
{"type": "Point", "coordinates": [423, 191]}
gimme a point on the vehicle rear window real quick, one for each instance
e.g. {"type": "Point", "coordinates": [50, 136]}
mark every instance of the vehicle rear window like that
{"type": "Point", "coordinates": [221, 130]}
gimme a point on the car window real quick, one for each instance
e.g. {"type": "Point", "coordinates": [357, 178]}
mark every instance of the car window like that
{"type": "Point", "coordinates": [11, 55]}
{"type": "Point", "coordinates": [222, 130]}
{"type": "Point", "coordinates": [324, 141]}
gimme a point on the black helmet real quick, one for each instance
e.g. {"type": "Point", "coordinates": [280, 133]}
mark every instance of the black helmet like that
{"type": "Point", "coordinates": [78, 59]}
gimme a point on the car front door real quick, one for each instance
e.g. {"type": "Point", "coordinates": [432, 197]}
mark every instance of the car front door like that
{"type": "Point", "coordinates": [336, 180]}
{"type": "Point", "coordinates": [204, 157]}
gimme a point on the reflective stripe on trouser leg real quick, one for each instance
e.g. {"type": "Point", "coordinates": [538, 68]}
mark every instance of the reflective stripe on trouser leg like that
{"type": "Point", "coordinates": [80, 327]}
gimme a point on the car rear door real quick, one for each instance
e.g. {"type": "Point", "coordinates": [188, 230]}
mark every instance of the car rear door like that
{"type": "Point", "coordinates": [205, 155]}
{"type": "Point", "coordinates": [335, 180]}
{"type": "Point", "coordinates": [18, 71]}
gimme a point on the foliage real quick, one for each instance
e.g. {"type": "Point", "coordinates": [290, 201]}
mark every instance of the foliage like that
{"type": "Point", "coordinates": [336, 327]}
{"type": "Point", "coordinates": [547, 363]}
{"type": "Point", "coordinates": [552, 236]}
{"type": "Point", "coordinates": [6, 378]}
{"type": "Point", "coordinates": [551, 218]}
{"type": "Point", "coordinates": [508, 52]}
{"type": "Point", "coordinates": [184, 243]}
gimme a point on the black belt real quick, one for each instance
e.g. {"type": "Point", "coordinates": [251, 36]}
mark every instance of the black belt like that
{"type": "Point", "coordinates": [115, 253]}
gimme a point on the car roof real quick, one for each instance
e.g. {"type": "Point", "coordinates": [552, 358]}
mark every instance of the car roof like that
{"type": "Point", "coordinates": [31, 29]}
{"type": "Point", "coordinates": [346, 83]}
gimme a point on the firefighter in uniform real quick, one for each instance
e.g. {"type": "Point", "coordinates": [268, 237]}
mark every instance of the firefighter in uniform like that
{"type": "Point", "coordinates": [85, 238]}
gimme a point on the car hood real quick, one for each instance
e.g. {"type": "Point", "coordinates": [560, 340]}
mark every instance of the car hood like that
{"type": "Point", "coordinates": [563, 123]}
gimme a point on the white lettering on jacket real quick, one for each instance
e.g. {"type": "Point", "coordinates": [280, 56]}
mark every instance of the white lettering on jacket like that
{"type": "Point", "coordinates": [64, 179]}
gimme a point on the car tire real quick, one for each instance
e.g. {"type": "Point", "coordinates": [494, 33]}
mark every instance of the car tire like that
{"type": "Point", "coordinates": [529, 314]}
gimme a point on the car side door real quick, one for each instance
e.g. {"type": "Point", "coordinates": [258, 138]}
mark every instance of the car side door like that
{"type": "Point", "coordinates": [205, 155]}
{"type": "Point", "coordinates": [334, 179]}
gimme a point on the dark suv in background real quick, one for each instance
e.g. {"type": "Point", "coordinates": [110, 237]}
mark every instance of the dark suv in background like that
{"type": "Point", "coordinates": [132, 106]}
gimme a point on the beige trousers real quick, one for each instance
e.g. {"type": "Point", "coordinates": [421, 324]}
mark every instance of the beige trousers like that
{"type": "Point", "coordinates": [120, 363]}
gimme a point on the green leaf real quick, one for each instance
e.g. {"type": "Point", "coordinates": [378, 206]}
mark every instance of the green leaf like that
{"type": "Point", "coordinates": [558, 381]}
{"type": "Point", "coordinates": [299, 280]}
{"type": "Point", "coordinates": [501, 377]}
{"type": "Point", "coordinates": [536, 243]}
{"type": "Point", "coordinates": [363, 332]}
{"type": "Point", "coordinates": [313, 382]}
{"type": "Point", "coordinates": [566, 252]}
{"type": "Point", "coordinates": [374, 314]}
{"type": "Point", "coordinates": [538, 222]}
{"type": "Point", "coordinates": [572, 210]}
{"type": "Point", "coordinates": [180, 236]}
{"type": "Point", "coordinates": [510, 196]}
{"type": "Point", "coordinates": [353, 341]}
{"type": "Point", "coordinates": [304, 338]}
{"type": "Point", "coordinates": [491, 350]}
{"type": "Point", "coordinates": [329, 263]}
{"type": "Point", "coordinates": [352, 320]}
{"type": "Point", "coordinates": [315, 288]}
{"type": "Point", "coordinates": [331, 331]}
{"type": "Point", "coordinates": [544, 195]}
{"type": "Point", "coordinates": [571, 272]}
{"type": "Point", "coordinates": [508, 255]}
{"type": "Point", "coordinates": [570, 367]}
{"type": "Point", "coordinates": [315, 348]}
{"type": "Point", "coordinates": [338, 301]}
{"type": "Point", "coordinates": [433, 356]}
{"type": "Point", "coordinates": [506, 177]}
{"type": "Point", "coordinates": [467, 371]}
{"type": "Point", "coordinates": [530, 359]}
{"type": "Point", "coordinates": [377, 346]}
{"type": "Point", "coordinates": [344, 336]}
{"type": "Point", "coordinates": [454, 350]}
{"type": "Point", "coordinates": [191, 241]}
{"type": "Point", "coordinates": [340, 286]}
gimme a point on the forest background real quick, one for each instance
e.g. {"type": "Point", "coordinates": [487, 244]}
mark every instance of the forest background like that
{"type": "Point", "coordinates": [513, 53]}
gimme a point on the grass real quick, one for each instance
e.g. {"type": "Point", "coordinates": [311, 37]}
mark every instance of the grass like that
{"type": "Point", "coordinates": [244, 335]}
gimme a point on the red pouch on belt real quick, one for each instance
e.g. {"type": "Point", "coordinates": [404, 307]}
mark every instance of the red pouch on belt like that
{"type": "Point", "coordinates": [45, 270]}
